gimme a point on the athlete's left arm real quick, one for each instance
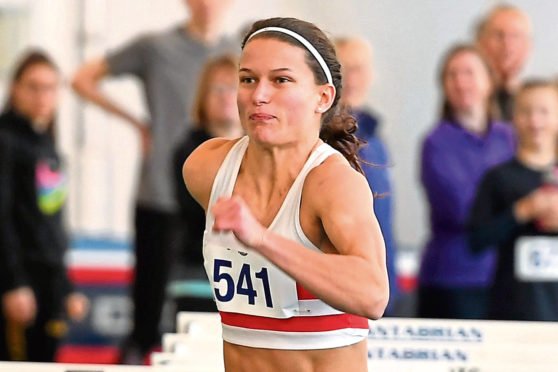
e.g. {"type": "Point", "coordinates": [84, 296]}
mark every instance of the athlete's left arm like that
{"type": "Point", "coordinates": [354, 280]}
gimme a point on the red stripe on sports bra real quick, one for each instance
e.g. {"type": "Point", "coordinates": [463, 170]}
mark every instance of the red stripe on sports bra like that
{"type": "Point", "coordinates": [295, 324]}
{"type": "Point", "coordinates": [304, 294]}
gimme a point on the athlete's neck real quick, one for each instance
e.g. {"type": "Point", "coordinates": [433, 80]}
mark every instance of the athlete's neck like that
{"type": "Point", "coordinates": [276, 167]}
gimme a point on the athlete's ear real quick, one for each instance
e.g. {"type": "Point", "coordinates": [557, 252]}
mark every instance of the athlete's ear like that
{"type": "Point", "coordinates": [326, 98]}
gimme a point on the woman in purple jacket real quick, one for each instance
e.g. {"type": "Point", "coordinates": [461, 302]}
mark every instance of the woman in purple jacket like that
{"type": "Point", "coordinates": [453, 282]}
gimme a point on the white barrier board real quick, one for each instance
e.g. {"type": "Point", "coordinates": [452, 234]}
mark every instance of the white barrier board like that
{"type": "Point", "coordinates": [199, 324]}
{"type": "Point", "coordinates": [179, 367]}
{"type": "Point", "coordinates": [463, 331]}
{"type": "Point", "coordinates": [394, 344]}
{"type": "Point", "coordinates": [445, 342]}
{"type": "Point", "coordinates": [186, 345]}
{"type": "Point", "coordinates": [53, 367]}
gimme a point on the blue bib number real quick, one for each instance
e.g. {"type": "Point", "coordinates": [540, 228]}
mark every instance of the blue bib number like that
{"type": "Point", "coordinates": [243, 284]}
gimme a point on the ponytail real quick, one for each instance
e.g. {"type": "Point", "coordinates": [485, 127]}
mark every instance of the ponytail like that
{"type": "Point", "coordinates": [338, 130]}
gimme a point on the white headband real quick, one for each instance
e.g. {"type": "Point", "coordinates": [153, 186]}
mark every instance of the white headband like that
{"type": "Point", "coordinates": [304, 42]}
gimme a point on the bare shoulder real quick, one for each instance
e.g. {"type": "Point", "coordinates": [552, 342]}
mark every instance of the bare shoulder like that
{"type": "Point", "coordinates": [335, 181]}
{"type": "Point", "coordinates": [340, 198]}
{"type": "Point", "coordinates": [201, 167]}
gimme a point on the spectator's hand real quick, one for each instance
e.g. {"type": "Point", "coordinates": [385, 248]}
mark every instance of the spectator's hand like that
{"type": "Point", "coordinates": [145, 138]}
{"type": "Point", "coordinates": [232, 214]}
{"type": "Point", "coordinates": [77, 306]}
{"type": "Point", "coordinates": [19, 306]}
{"type": "Point", "coordinates": [548, 219]}
{"type": "Point", "coordinates": [532, 206]}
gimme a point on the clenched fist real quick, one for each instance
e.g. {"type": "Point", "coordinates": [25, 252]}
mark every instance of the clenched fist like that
{"type": "Point", "coordinates": [232, 214]}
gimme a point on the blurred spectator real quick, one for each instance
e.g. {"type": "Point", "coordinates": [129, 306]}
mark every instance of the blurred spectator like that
{"type": "Point", "coordinates": [355, 56]}
{"type": "Point", "coordinates": [34, 287]}
{"type": "Point", "coordinates": [215, 114]}
{"type": "Point", "coordinates": [516, 209]}
{"type": "Point", "coordinates": [504, 37]}
{"type": "Point", "coordinates": [453, 283]}
{"type": "Point", "coordinates": [168, 65]}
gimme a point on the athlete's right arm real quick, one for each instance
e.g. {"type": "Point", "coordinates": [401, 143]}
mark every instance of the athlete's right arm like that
{"type": "Point", "coordinates": [201, 167]}
{"type": "Point", "coordinates": [86, 84]}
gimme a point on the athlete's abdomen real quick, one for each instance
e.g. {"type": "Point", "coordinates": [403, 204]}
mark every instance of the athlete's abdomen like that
{"type": "Point", "coordinates": [246, 359]}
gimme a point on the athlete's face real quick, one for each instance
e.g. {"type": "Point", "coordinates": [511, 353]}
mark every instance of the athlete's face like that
{"type": "Point", "coordinates": [35, 93]}
{"type": "Point", "coordinates": [536, 117]}
{"type": "Point", "coordinates": [466, 82]}
{"type": "Point", "coordinates": [278, 99]}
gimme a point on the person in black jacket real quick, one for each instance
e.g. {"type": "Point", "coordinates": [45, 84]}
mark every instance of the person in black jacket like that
{"type": "Point", "coordinates": [35, 291]}
{"type": "Point", "coordinates": [215, 114]}
{"type": "Point", "coordinates": [516, 210]}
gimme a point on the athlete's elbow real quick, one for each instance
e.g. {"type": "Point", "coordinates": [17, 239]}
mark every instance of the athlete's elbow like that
{"type": "Point", "coordinates": [377, 308]}
{"type": "Point", "coordinates": [376, 303]}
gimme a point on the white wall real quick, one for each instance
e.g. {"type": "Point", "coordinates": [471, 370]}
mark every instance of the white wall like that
{"type": "Point", "coordinates": [408, 38]}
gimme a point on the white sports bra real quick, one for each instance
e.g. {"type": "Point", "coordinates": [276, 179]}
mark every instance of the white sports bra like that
{"type": "Point", "coordinates": [260, 305]}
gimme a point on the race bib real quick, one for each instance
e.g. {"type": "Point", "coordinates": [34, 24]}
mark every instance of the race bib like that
{"type": "Point", "coordinates": [536, 259]}
{"type": "Point", "coordinates": [243, 281]}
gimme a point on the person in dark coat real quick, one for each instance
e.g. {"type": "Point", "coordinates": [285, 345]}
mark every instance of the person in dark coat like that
{"type": "Point", "coordinates": [34, 288]}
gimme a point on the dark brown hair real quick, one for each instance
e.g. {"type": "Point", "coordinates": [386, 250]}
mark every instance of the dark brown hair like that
{"type": "Point", "coordinates": [447, 112]}
{"type": "Point", "coordinates": [225, 61]}
{"type": "Point", "coordinates": [338, 127]}
{"type": "Point", "coordinates": [29, 59]}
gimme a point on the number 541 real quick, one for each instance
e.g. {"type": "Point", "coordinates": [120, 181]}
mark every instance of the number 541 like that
{"type": "Point", "coordinates": [243, 283]}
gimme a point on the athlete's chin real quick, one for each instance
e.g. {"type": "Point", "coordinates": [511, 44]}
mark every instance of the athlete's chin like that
{"type": "Point", "coordinates": [265, 135]}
